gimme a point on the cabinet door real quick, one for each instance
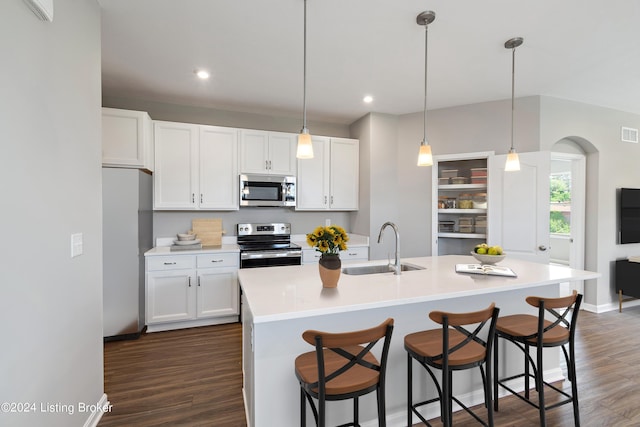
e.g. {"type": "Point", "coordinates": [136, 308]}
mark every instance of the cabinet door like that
{"type": "Point", "coordinates": [126, 139]}
{"type": "Point", "coordinates": [344, 174]}
{"type": "Point", "coordinates": [171, 296]}
{"type": "Point", "coordinates": [175, 178]}
{"type": "Point", "coordinates": [217, 292]}
{"type": "Point", "coordinates": [313, 177]}
{"type": "Point", "coordinates": [282, 153]}
{"type": "Point", "coordinates": [218, 168]}
{"type": "Point", "coordinates": [254, 151]}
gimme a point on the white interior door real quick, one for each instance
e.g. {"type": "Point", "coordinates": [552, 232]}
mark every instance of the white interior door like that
{"type": "Point", "coordinates": [518, 213]}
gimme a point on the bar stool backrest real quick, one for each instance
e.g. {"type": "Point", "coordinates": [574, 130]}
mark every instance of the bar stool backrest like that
{"type": "Point", "coordinates": [458, 320]}
{"type": "Point", "coordinates": [559, 309]}
{"type": "Point", "coordinates": [354, 347]}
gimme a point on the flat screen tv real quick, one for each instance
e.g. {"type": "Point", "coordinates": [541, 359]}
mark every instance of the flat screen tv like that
{"type": "Point", "coordinates": [630, 215]}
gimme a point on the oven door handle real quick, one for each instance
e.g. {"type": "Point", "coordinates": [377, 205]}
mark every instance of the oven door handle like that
{"type": "Point", "coordinates": [270, 254]}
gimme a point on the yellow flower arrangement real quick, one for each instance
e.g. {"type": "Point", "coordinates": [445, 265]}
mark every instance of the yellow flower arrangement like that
{"type": "Point", "coordinates": [328, 240]}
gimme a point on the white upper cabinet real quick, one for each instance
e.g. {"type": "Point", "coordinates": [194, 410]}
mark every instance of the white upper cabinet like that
{"type": "Point", "coordinates": [174, 182]}
{"type": "Point", "coordinates": [265, 152]}
{"type": "Point", "coordinates": [329, 181]}
{"type": "Point", "coordinates": [218, 168]}
{"type": "Point", "coordinates": [344, 174]}
{"type": "Point", "coordinates": [196, 167]}
{"type": "Point", "coordinates": [127, 139]}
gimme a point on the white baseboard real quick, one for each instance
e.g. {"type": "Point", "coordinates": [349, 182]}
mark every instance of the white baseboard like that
{"type": "Point", "coordinates": [612, 306]}
{"type": "Point", "coordinates": [95, 415]}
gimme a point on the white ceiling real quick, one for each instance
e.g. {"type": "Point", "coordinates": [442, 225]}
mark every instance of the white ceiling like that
{"type": "Point", "coordinates": [583, 50]}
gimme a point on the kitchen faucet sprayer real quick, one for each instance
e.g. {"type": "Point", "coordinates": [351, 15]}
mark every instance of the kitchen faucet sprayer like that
{"type": "Point", "coordinates": [396, 268]}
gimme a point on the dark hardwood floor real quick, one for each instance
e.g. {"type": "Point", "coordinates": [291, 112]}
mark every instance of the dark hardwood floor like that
{"type": "Point", "coordinates": [193, 377]}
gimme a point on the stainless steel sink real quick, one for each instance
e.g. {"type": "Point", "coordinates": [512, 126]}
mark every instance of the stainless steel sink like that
{"type": "Point", "coordinates": [377, 269]}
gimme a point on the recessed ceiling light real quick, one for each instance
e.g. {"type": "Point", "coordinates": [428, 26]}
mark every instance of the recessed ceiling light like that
{"type": "Point", "coordinates": [368, 99]}
{"type": "Point", "coordinates": [202, 74]}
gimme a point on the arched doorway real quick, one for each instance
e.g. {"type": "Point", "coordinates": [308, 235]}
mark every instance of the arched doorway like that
{"type": "Point", "coordinates": [568, 206]}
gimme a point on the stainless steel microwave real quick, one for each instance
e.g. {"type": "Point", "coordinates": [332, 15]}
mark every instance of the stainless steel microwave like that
{"type": "Point", "coordinates": [267, 190]}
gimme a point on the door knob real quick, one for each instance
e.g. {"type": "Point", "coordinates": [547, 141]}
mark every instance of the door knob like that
{"type": "Point", "coordinates": [542, 248]}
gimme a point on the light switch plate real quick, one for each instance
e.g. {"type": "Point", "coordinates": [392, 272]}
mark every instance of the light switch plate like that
{"type": "Point", "coordinates": [76, 245]}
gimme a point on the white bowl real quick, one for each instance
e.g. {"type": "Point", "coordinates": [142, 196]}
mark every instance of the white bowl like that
{"type": "Point", "coordinates": [186, 236]}
{"type": "Point", "coordinates": [488, 259]}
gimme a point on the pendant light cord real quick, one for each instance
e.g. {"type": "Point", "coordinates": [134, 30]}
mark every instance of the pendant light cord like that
{"type": "Point", "coordinates": [426, 51]}
{"type": "Point", "coordinates": [513, 88]}
{"type": "Point", "coordinates": [304, 73]}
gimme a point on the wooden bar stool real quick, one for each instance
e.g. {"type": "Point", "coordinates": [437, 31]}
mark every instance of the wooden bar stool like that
{"type": "Point", "coordinates": [452, 348]}
{"type": "Point", "coordinates": [343, 367]}
{"type": "Point", "coordinates": [527, 331]}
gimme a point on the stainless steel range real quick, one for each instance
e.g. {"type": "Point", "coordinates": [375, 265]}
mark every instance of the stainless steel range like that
{"type": "Point", "coordinates": [267, 245]}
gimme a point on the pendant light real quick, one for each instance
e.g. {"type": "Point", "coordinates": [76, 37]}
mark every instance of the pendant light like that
{"type": "Point", "coordinates": [424, 156]}
{"type": "Point", "coordinates": [513, 162]}
{"type": "Point", "coordinates": [305, 147]}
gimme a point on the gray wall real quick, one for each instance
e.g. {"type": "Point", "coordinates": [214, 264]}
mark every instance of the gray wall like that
{"type": "Point", "coordinates": [400, 191]}
{"type": "Point", "coordinates": [611, 164]}
{"type": "Point", "coordinates": [167, 223]}
{"type": "Point", "coordinates": [50, 303]}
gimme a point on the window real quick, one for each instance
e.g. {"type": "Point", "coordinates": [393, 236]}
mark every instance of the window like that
{"type": "Point", "coordinates": [560, 198]}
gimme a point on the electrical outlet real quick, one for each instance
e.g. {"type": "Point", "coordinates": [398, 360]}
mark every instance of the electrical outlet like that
{"type": "Point", "coordinates": [76, 245]}
{"type": "Point", "coordinates": [327, 222]}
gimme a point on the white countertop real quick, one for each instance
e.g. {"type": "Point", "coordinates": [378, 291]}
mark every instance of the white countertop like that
{"type": "Point", "coordinates": [280, 293]}
{"type": "Point", "coordinates": [229, 245]}
{"type": "Point", "coordinates": [166, 250]}
{"type": "Point", "coordinates": [355, 240]}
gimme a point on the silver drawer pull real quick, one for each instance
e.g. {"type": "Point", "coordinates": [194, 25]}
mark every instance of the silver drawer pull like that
{"type": "Point", "coordinates": [352, 253]}
{"type": "Point", "coordinates": [170, 263]}
{"type": "Point", "coordinates": [217, 260]}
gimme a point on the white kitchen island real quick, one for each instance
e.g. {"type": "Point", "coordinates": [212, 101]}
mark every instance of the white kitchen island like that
{"type": "Point", "coordinates": [280, 303]}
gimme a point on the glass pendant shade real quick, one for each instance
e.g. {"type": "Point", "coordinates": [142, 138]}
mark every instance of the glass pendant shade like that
{"type": "Point", "coordinates": [424, 156]}
{"type": "Point", "coordinates": [513, 162]}
{"type": "Point", "coordinates": [305, 147]}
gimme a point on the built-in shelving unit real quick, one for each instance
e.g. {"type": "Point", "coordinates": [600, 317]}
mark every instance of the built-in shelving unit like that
{"type": "Point", "coordinates": [460, 204]}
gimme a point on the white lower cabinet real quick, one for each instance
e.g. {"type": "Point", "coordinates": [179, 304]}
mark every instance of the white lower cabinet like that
{"type": "Point", "coordinates": [191, 290]}
{"type": "Point", "coordinates": [217, 286]}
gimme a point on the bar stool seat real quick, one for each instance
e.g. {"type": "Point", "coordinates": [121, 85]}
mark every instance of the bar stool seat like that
{"type": "Point", "coordinates": [454, 347]}
{"type": "Point", "coordinates": [343, 367]}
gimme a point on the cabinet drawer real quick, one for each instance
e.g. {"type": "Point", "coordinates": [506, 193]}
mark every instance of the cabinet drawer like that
{"type": "Point", "coordinates": [158, 263]}
{"type": "Point", "coordinates": [355, 253]}
{"type": "Point", "coordinates": [310, 255]}
{"type": "Point", "coordinates": [225, 259]}
{"type": "Point", "coordinates": [359, 253]}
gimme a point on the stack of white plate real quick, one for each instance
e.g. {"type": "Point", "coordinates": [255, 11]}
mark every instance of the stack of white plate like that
{"type": "Point", "coordinates": [186, 240]}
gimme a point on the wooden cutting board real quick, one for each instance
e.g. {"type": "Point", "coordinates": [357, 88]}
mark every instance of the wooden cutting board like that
{"type": "Point", "coordinates": [208, 230]}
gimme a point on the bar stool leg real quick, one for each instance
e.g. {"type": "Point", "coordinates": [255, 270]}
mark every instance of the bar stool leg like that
{"type": "Point", "coordinates": [495, 372]}
{"type": "Point", "coordinates": [574, 384]}
{"type": "Point", "coordinates": [540, 383]}
{"type": "Point", "coordinates": [487, 394]}
{"type": "Point", "coordinates": [526, 371]}
{"type": "Point", "coordinates": [409, 391]}
{"type": "Point", "coordinates": [303, 409]}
